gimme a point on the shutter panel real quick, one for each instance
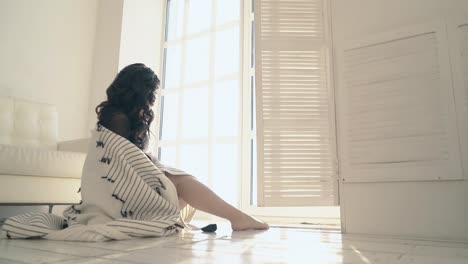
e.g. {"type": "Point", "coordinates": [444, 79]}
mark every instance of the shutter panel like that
{"type": "Point", "coordinates": [463, 32]}
{"type": "Point", "coordinates": [458, 37]}
{"type": "Point", "coordinates": [399, 116]}
{"type": "Point", "coordinates": [296, 143]}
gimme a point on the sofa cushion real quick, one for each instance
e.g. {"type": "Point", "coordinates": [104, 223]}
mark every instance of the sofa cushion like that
{"type": "Point", "coordinates": [28, 123]}
{"type": "Point", "coordinates": [20, 160]}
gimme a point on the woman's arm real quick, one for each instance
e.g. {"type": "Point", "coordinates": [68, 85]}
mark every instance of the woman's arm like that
{"type": "Point", "coordinates": [152, 157]}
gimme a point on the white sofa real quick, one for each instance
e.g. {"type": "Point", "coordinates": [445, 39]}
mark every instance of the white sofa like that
{"type": "Point", "coordinates": [35, 169]}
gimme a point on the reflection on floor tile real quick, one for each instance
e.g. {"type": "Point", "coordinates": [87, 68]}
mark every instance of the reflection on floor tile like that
{"type": "Point", "coordinates": [93, 261]}
{"type": "Point", "coordinates": [13, 253]}
{"type": "Point", "coordinates": [61, 247]}
{"type": "Point", "coordinates": [276, 245]}
{"type": "Point", "coordinates": [9, 261]}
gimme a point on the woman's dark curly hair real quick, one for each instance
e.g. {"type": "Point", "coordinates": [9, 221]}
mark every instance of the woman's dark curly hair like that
{"type": "Point", "coordinates": [133, 92]}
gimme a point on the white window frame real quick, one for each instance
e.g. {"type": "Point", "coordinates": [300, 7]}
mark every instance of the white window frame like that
{"type": "Point", "coordinates": [178, 141]}
{"type": "Point", "coordinates": [324, 214]}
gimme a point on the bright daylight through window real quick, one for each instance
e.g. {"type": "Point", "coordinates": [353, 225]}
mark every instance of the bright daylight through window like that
{"type": "Point", "coordinates": [200, 112]}
{"type": "Point", "coordinates": [238, 75]}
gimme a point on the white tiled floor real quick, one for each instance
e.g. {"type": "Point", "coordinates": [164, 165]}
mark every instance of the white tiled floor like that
{"type": "Point", "coordinates": [277, 245]}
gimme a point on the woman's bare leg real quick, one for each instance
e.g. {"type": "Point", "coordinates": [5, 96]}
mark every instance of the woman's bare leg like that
{"type": "Point", "coordinates": [202, 198]}
{"type": "Point", "coordinates": [182, 203]}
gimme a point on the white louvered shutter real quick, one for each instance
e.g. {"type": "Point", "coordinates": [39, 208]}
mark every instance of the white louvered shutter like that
{"type": "Point", "coordinates": [398, 111]}
{"type": "Point", "coordinates": [464, 53]}
{"type": "Point", "coordinates": [295, 126]}
{"type": "Point", "coordinates": [463, 36]}
{"type": "Point", "coordinates": [458, 37]}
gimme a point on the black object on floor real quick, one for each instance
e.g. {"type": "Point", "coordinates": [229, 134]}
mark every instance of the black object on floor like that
{"type": "Point", "coordinates": [210, 228]}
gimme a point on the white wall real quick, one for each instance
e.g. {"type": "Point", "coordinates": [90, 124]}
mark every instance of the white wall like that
{"type": "Point", "coordinates": [128, 31]}
{"type": "Point", "coordinates": [46, 50]}
{"type": "Point", "coordinates": [106, 54]}
{"type": "Point", "coordinates": [141, 39]}
{"type": "Point", "coordinates": [354, 18]}
{"type": "Point", "coordinates": [142, 29]}
{"type": "Point", "coordinates": [414, 209]}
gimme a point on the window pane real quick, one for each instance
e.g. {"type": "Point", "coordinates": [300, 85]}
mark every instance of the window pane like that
{"type": "Point", "coordinates": [195, 114]}
{"type": "Point", "coordinates": [194, 160]}
{"type": "Point", "coordinates": [170, 115]}
{"type": "Point", "coordinates": [168, 156]}
{"type": "Point", "coordinates": [227, 11]}
{"type": "Point", "coordinates": [199, 18]}
{"type": "Point", "coordinates": [226, 108]}
{"type": "Point", "coordinates": [210, 103]}
{"type": "Point", "coordinates": [175, 19]}
{"type": "Point", "coordinates": [227, 52]}
{"type": "Point", "coordinates": [173, 66]}
{"type": "Point", "coordinates": [197, 65]}
{"type": "Point", "coordinates": [225, 172]}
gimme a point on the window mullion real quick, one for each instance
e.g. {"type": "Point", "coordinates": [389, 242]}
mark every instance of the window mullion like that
{"type": "Point", "coordinates": [210, 92]}
{"type": "Point", "coordinates": [246, 134]}
{"type": "Point", "coordinates": [182, 83]}
{"type": "Point", "coordinates": [202, 33]}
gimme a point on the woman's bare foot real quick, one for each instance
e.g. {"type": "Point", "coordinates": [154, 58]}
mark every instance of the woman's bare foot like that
{"type": "Point", "coordinates": [246, 222]}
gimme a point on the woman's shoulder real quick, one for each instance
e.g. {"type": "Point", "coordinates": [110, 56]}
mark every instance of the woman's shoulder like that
{"type": "Point", "coordinates": [115, 120]}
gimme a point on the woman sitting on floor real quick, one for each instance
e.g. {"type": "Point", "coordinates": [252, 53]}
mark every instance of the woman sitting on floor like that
{"type": "Point", "coordinates": [127, 112]}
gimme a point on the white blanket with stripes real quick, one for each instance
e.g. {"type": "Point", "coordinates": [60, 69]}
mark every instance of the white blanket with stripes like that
{"type": "Point", "coordinates": [124, 196]}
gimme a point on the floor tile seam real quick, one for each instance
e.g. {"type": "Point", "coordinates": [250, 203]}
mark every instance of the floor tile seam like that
{"type": "Point", "coordinates": [74, 256]}
{"type": "Point", "coordinates": [58, 261]}
{"type": "Point", "coordinates": [408, 242]}
{"type": "Point", "coordinates": [82, 246]}
{"type": "Point", "coordinates": [378, 251]}
{"type": "Point", "coordinates": [100, 248]}
{"type": "Point", "coordinates": [194, 242]}
{"type": "Point", "coordinates": [311, 229]}
{"type": "Point", "coordinates": [113, 251]}
{"type": "Point", "coordinates": [91, 258]}
{"type": "Point", "coordinates": [338, 250]}
{"type": "Point", "coordinates": [105, 256]}
{"type": "Point", "coordinates": [411, 247]}
{"type": "Point", "coordinates": [43, 250]}
{"type": "Point", "coordinates": [109, 257]}
{"type": "Point", "coordinates": [207, 251]}
{"type": "Point", "coordinates": [408, 253]}
{"type": "Point", "coordinates": [15, 261]}
{"type": "Point", "coordinates": [411, 240]}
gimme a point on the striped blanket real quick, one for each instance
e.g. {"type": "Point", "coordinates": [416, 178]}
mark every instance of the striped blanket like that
{"type": "Point", "coordinates": [124, 196]}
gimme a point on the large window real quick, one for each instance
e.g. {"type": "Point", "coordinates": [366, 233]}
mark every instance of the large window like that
{"type": "Point", "coordinates": [200, 107]}
{"type": "Point", "coordinates": [213, 118]}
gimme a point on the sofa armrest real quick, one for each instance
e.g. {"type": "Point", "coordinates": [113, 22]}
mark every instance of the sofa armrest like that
{"type": "Point", "coordinates": [77, 145]}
